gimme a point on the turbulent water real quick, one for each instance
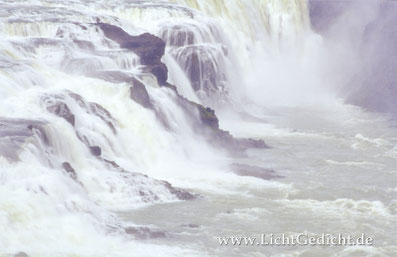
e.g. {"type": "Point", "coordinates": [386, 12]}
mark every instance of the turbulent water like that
{"type": "Point", "coordinates": [101, 156]}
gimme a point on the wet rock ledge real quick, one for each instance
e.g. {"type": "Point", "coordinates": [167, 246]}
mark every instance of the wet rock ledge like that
{"type": "Point", "coordinates": [150, 49]}
{"type": "Point", "coordinates": [147, 46]}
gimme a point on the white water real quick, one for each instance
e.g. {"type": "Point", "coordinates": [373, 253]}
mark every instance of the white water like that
{"type": "Point", "coordinates": [338, 161]}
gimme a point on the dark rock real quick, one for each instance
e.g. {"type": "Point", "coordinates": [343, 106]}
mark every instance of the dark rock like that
{"type": "Point", "coordinates": [202, 67]}
{"type": "Point", "coordinates": [190, 226]}
{"type": "Point", "coordinates": [139, 94]}
{"type": "Point", "coordinates": [85, 45]}
{"type": "Point", "coordinates": [96, 150]}
{"type": "Point", "coordinates": [151, 49]}
{"type": "Point", "coordinates": [144, 233]}
{"type": "Point", "coordinates": [208, 117]}
{"type": "Point", "coordinates": [61, 109]}
{"type": "Point", "coordinates": [252, 143]}
{"type": "Point", "coordinates": [178, 35]}
{"type": "Point", "coordinates": [77, 98]}
{"type": "Point", "coordinates": [21, 254]}
{"type": "Point", "coordinates": [144, 193]}
{"type": "Point", "coordinates": [69, 169]}
{"type": "Point", "coordinates": [38, 129]}
{"type": "Point", "coordinates": [37, 42]}
{"type": "Point", "coordinates": [104, 114]}
{"type": "Point", "coordinates": [113, 164]}
{"type": "Point", "coordinates": [113, 76]}
{"type": "Point", "coordinates": [254, 171]}
{"type": "Point", "coordinates": [208, 125]}
{"type": "Point", "coordinates": [172, 87]}
{"type": "Point", "coordinates": [14, 132]}
{"type": "Point", "coordinates": [138, 91]}
{"type": "Point", "coordinates": [372, 84]}
{"type": "Point", "coordinates": [160, 71]}
{"type": "Point", "coordinates": [202, 63]}
{"type": "Point", "coordinates": [179, 193]}
{"type": "Point", "coordinates": [375, 82]}
{"type": "Point", "coordinates": [323, 14]}
{"type": "Point", "coordinates": [95, 109]}
{"type": "Point", "coordinates": [148, 47]}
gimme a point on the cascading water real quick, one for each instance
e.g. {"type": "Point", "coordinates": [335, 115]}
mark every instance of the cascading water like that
{"type": "Point", "coordinates": [106, 151]}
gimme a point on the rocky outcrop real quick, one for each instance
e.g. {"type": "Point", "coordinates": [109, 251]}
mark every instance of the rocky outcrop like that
{"type": "Point", "coordinates": [199, 50]}
{"type": "Point", "coordinates": [190, 225]}
{"type": "Point", "coordinates": [94, 108]}
{"type": "Point", "coordinates": [324, 13]}
{"type": "Point", "coordinates": [138, 91]}
{"type": "Point", "coordinates": [151, 49]}
{"type": "Point", "coordinates": [69, 170]}
{"type": "Point", "coordinates": [254, 171]}
{"type": "Point", "coordinates": [377, 74]}
{"type": "Point", "coordinates": [144, 233]}
{"type": "Point", "coordinates": [203, 66]}
{"type": "Point", "coordinates": [60, 109]}
{"type": "Point", "coordinates": [178, 35]}
{"type": "Point", "coordinates": [139, 94]}
{"type": "Point", "coordinates": [21, 254]}
{"type": "Point", "coordinates": [251, 143]}
{"type": "Point", "coordinates": [15, 132]}
{"type": "Point", "coordinates": [148, 47]}
{"type": "Point", "coordinates": [139, 180]}
{"type": "Point", "coordinates": [207, 124]}
{"type": "Point", "coordinates": [57, 104]}
{"type": "Point", "coordinates": [373, 81]}
{"type": "Point", "coordinates": [95, 150]}
{"type": "Point", "coordinates": [103, 114]}
{"type": "Point", "coordinates": [179, 193]}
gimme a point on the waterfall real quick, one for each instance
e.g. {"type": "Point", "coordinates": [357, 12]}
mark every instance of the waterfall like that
{"type": "Point", "coordinates": [212, 41]}
{"type": "Point", "coordinates": [113, 106]}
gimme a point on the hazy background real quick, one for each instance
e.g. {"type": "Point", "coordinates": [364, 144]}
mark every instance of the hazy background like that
{"type": "Point", "coordinates": [363, 39]}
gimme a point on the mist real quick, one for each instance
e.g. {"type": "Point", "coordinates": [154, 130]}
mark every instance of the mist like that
{"type": "Point", "coordinates": [361, 39]}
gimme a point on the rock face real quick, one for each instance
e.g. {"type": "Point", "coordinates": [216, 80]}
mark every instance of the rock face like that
{"type": "Point", "coordinates": [378, 77]}
{"type": "Point", "coordinates": [143, 184]}
{"type": "Point", "coordinates": [178, 35]}
{"type": "Point", "coordinates": [94, 108]}
{"type": "Point", "coordinates": [61, 109]}
{"type": "Point", "coordinates": [56, 104]}
{"type": "Point", "coordinates": [147, 46]}
{"type": "Point", "coordinates": [324, 13]}
{"type": "Point", "coordinates": [374, 85]}
{"type": "Point", "coordinates": [208, 125]}
{"type": "Point", "coordinates": [138, 91]}
{"type": "Point", "coordinates": [104, 114]}
{"type": "Point", "coordinates": [254, 171]}
{"type": "Point", "coordinates": [203, 66]}
{"type": "Point", "coordinates": [21, 254]}
{"type": "Point", "coordinates": [179, 193]}
{"type": "Point", "coordinates": [15, 132]}
{"type": "Point", "coordinates": [139, 94]}
{"type": "Point", "coordinates": [144, 233]}
{"type": "Point", "coordinates": [95, 150]}
{"type": "Point", "coordinates": [200, 52]}
{"type": "Point", "coordinates": [151, 49]}
{"type": "Point", "coordinates": [69, 169]}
